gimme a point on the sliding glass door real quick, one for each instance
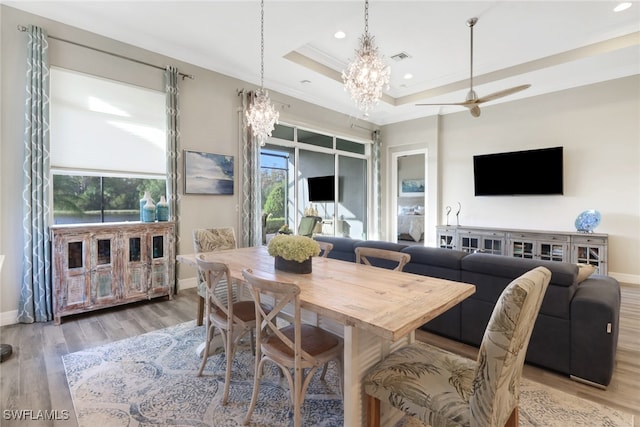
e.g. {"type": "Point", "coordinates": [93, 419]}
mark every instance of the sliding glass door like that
{"type": "Point", "coordinates": [309, 173]}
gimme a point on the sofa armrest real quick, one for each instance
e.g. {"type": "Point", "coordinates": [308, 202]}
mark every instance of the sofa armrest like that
{"type": "Point", "coordinates": [595, 315]}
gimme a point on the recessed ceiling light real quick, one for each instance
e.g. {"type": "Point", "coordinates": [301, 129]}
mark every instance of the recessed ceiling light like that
{"type": "Point", "coordinates": [622, 6]}
{"type": "Point", "coordinates": [339, 34]}
{"type": "Point", "coordinates": [408, 76]}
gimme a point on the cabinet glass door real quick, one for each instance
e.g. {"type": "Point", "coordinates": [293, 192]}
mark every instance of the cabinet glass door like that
{"type": "Point", "coordinates": [552, 252]}
{"type": "Point", "coordinates": [75, 275]}
{"type": "Point", "coordinates": [469, 244]}
{"type": "Point", "coordinates": [522, 249]}
{"type": "Point", "coordinates": [103, 282]}
{"type": "Point", "coordinates": [590, 255]}
{"type": "Point", "coordinates": [447, 241]}
{"type": "Point", "coordinates": [159, 272]}
{"type": "Point", "coordinates": [492, 246]}
{"type": "Point", "coordinates": [135, 266]}
{"type": "Point", "coordinates": [75, 255]}
{"type": "Point", "coordinates": [158, 247]}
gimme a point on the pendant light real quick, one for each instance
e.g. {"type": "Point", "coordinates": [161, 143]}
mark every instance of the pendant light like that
{"type": "Point", "coordinates": [262, 115]}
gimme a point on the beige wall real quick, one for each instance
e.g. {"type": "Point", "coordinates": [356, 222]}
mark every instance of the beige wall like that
{"type": "Point", "coordinates": [208, 122]}
{"type": "Point", "coordinates": [597, 125]}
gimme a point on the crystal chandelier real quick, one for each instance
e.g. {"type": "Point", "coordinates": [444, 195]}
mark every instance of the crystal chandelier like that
{"type": "Point", "coordinates": [367, 75]}
{"type": "Point", "coordinates": [262, 115]}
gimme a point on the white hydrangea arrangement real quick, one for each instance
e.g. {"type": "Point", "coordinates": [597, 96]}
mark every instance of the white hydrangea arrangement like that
{"type": "Point", "coordinates": [293, 248]}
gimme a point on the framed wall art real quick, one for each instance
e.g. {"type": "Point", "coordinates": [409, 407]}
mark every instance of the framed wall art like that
{"type": "Point", "coordinates": [412, 187]}
{"type": "Point", "coordinates": [207, 173]}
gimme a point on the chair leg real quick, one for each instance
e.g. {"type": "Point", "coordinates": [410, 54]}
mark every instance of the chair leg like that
{"type": "Point", "coordinates": [229, 350]}
{"type": "Point", "coordinates": [513, 419]}
{"type": "Point", "coordinates": [373, 411]}
{"type": "Point", "coordinates": [200, 313]}
{"type": "Point", "coordinates": [205, 353]}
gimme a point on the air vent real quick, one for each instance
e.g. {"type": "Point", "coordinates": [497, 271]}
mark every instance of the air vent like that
{"type": "Point", "coordinates": [400, 56]}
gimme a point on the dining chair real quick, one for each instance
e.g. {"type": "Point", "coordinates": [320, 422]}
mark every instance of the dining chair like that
{"type": "Point", "coordinates": [443, 389]}
{"type": "Point", "coordinates": [297, 347]}
{"type": "Point", "coordinates": [325, 248]}
{"type": "Point", "coordinates": [232, 319]}
{"type": "Point", "coordinates": [365, 255]}
{"type": "Point", "coordinates": [307, 225]}
{"type": "Point", "coordinates": [209, 240]}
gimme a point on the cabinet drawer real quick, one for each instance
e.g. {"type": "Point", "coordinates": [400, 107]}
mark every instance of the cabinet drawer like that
{"type": "Point", "coordinates": [589, 240]}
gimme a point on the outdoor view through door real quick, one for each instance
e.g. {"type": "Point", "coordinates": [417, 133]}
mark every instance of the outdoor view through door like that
{"type": "Point", "coordinates": [294, 157]}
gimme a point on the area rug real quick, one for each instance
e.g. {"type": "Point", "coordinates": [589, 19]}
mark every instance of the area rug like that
{"type": "Point", "coordinates": [150, 380]}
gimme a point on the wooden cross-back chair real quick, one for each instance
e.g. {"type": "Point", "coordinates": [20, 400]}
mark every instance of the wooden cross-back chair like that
{"type": "Point", "coordinates": [325, 248]}
{"type": "Point", "coordinates": [365, 255]}
{"type": "Point", "coordinates": [233, 319]}
{"type": "Point", "coordinates": [298, 349]}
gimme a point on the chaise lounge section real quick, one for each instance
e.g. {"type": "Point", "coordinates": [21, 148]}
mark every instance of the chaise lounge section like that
{"type": "Point", "coordinates": [576, 331]}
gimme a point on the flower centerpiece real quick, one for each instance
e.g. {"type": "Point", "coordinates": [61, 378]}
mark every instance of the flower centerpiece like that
{"type": "Point", "coordinates": [293, 253]}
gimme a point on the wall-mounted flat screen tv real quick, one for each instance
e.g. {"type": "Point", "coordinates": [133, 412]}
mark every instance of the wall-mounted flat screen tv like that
{"type": "Point", "coordinates": [529, 172]}
{"type": "Point", "coordinates": [321, 188]}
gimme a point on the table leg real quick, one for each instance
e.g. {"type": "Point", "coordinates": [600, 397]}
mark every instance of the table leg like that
{"type": "Point", "coordinates": [362, 350]}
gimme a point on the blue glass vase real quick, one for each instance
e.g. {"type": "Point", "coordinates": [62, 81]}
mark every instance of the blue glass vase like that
{"type": "Point", "coordinates": [162, 210]}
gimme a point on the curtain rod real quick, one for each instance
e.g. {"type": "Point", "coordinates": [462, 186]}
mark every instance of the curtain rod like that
{"type": "Point", "coordinates": [184, 76]}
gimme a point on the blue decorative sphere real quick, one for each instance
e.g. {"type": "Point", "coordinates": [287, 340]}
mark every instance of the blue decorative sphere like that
{"type": "Point", "coordinates": [588, 220]}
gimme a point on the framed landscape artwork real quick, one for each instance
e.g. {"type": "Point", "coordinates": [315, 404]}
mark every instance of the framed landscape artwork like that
{"type": "Point", "coordinates": [412, 187]}
{"type": "Point", "coordinates": [207, 173]}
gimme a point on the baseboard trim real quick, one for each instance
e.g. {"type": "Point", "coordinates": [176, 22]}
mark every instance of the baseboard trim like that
{"type": "Point", "coordinates": [591, 383]}
{"type": "Point", "coordinates": [631, 279]}
{"type": "Point", "coordinates": [187, 283]}
{"type": "Point", "coordinates": [9, 318]}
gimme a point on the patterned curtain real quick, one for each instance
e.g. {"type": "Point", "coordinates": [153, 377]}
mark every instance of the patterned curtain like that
{"type": "Point", "coordinates": [36, 302]}
{"type": "Point", "coordinates": [377, 185]}
{"type": "Point", "coordinates": [250, 209]}
{"type": "Point", "coordinates": [173, 153]}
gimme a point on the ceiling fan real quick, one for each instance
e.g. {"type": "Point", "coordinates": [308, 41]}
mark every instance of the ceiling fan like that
{"type": "Point", "coordinates": [473, 102]}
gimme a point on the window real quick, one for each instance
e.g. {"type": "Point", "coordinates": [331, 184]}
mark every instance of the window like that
{"type": "Point", "coordinates": [108, 146]}
{"type": "Point", "coordinates": [294, 155]}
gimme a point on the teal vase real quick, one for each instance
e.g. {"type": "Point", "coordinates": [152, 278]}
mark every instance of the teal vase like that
{"type": "Point", "coordinates": [146, 198]}
{"type": "Point", "coordinates": [162, 210]}
{"type": "Point", "coordinates": [149, 211]}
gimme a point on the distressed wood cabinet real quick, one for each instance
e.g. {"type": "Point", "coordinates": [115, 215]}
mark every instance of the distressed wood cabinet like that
{"type": "Point", "coordinates": [103, 265]}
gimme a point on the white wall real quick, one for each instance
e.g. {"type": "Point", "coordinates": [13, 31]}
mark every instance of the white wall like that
{"type": "Point", "coordinates": [208, 122]}
{"type": "Point", "coordinates": [597, 125]}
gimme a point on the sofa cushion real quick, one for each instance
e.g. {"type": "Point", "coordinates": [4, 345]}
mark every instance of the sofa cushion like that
{"type": "Point", "coordinates": [562, 274]}
{"type": "Point", "coordinates": [434, 262]}
{"type": "Point", "coordinates": [492, 273]}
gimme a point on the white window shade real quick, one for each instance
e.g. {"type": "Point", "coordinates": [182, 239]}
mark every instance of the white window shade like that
{"type": "Point", "coordinates": [106, 126]}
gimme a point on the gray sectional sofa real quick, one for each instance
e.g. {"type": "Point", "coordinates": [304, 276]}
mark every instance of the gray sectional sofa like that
{"type": "Point", "coordinates": [576, 332]}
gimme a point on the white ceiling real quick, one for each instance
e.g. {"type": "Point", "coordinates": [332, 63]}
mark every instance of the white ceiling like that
{"type": "Point", "coordinates": [552, 45]}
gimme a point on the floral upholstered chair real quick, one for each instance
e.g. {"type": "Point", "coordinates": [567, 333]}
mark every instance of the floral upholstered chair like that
{"type": "Point", "coordinates": [443, 389]}
{"type": "Point", "coordinates": [209, 240]}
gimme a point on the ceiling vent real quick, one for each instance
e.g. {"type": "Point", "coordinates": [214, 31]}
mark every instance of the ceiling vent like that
{"type": "Point", "coordinates": [400, 56]}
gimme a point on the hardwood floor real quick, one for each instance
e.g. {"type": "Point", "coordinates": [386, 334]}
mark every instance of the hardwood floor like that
{"type": "Point", "coordinates": [33, 377]}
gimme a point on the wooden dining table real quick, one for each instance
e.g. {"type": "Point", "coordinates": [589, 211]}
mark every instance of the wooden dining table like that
{"type": "Point", "coordinates": [375, 310]}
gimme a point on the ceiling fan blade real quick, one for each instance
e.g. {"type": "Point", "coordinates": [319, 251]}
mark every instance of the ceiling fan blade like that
{"type": "Point", "coordinates": [502, 93]}
{"type": "Point", "coordinates": [461, 104]}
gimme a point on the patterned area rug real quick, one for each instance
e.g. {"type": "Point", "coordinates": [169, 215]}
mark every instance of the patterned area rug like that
{"type": "Point", "coordinates": [150, 380]}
